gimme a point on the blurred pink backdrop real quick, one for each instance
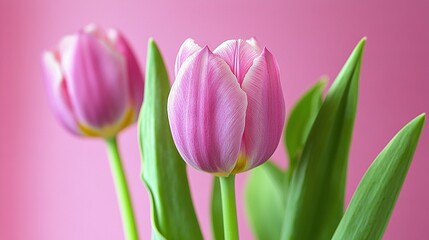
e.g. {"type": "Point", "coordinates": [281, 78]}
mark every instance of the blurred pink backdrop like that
{"type": "Point", "coordinates": [56, 186]}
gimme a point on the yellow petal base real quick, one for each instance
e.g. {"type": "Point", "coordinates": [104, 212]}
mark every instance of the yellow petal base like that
{"type": "Point", "coordinates": [108, 130]}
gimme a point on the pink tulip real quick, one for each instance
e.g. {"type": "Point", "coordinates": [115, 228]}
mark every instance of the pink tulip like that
{"type": "Point", "coordinates": [94, 82]}
{"type": "Point", "coordinates": [226, 107]}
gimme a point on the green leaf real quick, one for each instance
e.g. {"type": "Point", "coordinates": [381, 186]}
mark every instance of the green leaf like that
{"type": "Point", "coordinates": [265, 193]}
{"type": "Point", "coordinates": [372, 204]}
{"type": "Point", "coordinates": [316, 194]}
{"type": "Point", "coordinates": [268, 183]}
{"type": "Point", "coordinates": [216, 211]}
{"type": "Point", "coordinates": [163, 170]}
{"type": "Point", "coordinates": [300, 120]}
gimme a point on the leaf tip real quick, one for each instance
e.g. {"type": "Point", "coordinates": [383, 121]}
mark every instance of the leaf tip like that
{"type": "Point", "coordinates": [152, 46]}
{"type": "Point", "coordinates": [323, 81]}
{"type": "Point", "coordinates": [420, 119]}
{"type": "Point", "coordinates": [151, 41]}
{"type": "Point", "coordinates": [363, 41]}
{"type": "Point", "coordinates": [360, 46]}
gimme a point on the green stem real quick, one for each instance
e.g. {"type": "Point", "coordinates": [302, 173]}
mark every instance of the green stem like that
{"type": "Point", "coordinates": [229, 209]}
{"type": "Point", "coordinates": [122, 192]}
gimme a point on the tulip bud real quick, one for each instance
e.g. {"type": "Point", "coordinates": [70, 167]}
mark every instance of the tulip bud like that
{"type": "Point", "coordinates": [94, 82]}
{"type": "Point", "coordinates": [226, 107]}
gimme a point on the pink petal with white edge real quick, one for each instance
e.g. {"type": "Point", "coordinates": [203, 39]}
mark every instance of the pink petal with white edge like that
{"type": "Point", "coordinates": [239, 55]}
{"type": "Point", "coordinates": [57, 92]}
{"type": "Point", "coordinates": [265, 112]}
{"type": "Point", "coordinates": [135, 75]}
{"type": "Point", "coordinates": [97, 81]}
{"type": "Point", "coordinates": [188, 48]}
{"type": "Point", "coordinates": [206, 110]}
{"type": "Point", "coordinates": [99, 33]}
{"type": "Point", "coordinates": [95, 30]}
{"type": "Point", "coordinates": [254, 43]}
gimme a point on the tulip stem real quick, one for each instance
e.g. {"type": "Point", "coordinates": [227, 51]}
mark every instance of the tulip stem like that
{"type": "Point", "coordinates": [229, 209]}
{"type": "Point", "coordinates": [124, 199]}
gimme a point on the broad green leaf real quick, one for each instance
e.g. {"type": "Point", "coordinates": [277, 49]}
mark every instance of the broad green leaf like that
{"type": "Point", "coordinates": [265, 193]}
{"type": "Point", "coordinates": [316, 194]}
{"type": "Point", "coordinates": [216, 211]}
{"type": "Point", "coordinates": [300, 120]}
{"type": "Point", "coordinates": [267, 206]}
{"type": "Point", "coordinates": [372, 204]}
{"type": "Point", "coordinates": [163, 170]}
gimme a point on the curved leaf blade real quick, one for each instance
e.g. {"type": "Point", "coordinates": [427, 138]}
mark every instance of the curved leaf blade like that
{"type": "Point", "coordinates": [163, 170]}
{"type": "Point", "coordinates": [373, 202]}
{"type": "Point", "coordinates": [316, 195]}
{"type": "Point", "coordinates": [300, 120]}
{"type": "Point", "coordinates": [265, 194]}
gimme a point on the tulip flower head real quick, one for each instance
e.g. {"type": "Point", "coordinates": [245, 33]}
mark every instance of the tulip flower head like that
{"type": "Point", "coordinates": [226, 108]}
{"type": "Point", "coordinates": [94, 82]}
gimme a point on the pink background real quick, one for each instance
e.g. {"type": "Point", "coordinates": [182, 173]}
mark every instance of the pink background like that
{"type": "Point", "coordinates": [56, 186]}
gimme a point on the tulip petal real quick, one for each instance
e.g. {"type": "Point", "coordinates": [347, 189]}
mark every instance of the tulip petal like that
{"type": "Point", "coordinates": [265, 112]}
{"type": "Point", "coordinates": [96, 80]}
{"type": "Point", "coordinates": [207, 110]}
{"type": "Point", "coordinates": [96, 31]}
{"type": "Point", "coordinates": [188, 48]}
{"type": "Point", "coordinates": [254, 43]}
{"type": "Point", "coordinates": [135, 76]}
{"type": "Point", "coordinates": [239, 55]}
{"type": "Point", "coordinates": [57, 92]}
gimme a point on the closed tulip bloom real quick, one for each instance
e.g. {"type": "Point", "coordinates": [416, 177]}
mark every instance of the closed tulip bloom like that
{"type": "Point", "coordinates": [226, 107]}
{"type": "Point", "coordinates": [94, 82]}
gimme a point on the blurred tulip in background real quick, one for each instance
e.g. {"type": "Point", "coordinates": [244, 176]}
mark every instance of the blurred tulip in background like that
{"type": "Point", "coordinates": [94, 83]}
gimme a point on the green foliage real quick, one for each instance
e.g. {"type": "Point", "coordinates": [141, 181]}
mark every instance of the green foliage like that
{"type": "Point", "coordinates": [317, 137]}
{"type": "Point", "coordinates": [372, 203]}
{"type": "Point", "coordinates": [163, 170]}
{"type": "Point", "coordinates": [316, 192]}
{"type": "Point", "coordinates": [300, 120]}
{"type": "Point", "coordinates": [265, 201]}
{"type": "Point", "coordinates": [267, 186]}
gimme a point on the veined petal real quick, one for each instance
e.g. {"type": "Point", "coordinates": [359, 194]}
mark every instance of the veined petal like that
{"type": "Point", "coordinates": [99, 33]}
{"type": "Point", "coordinates": [134, 73]}
{"type": "Point", "coordinates": [57, 92]}
{"type": "Point", "coordinates": [95, 30]}
{"type": "Point", "coordinates": [96, 81]}
{"type": "Point", "coordinates": [239, 55]}
{"type": "Point", "coordinates": [265, 112]}
{"type": "Point", "coordinates": [188, 48]}
{"type": "Point", "coordinates": [254, 43]}
{"type": "Point", "coordinates": [206, 110]}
